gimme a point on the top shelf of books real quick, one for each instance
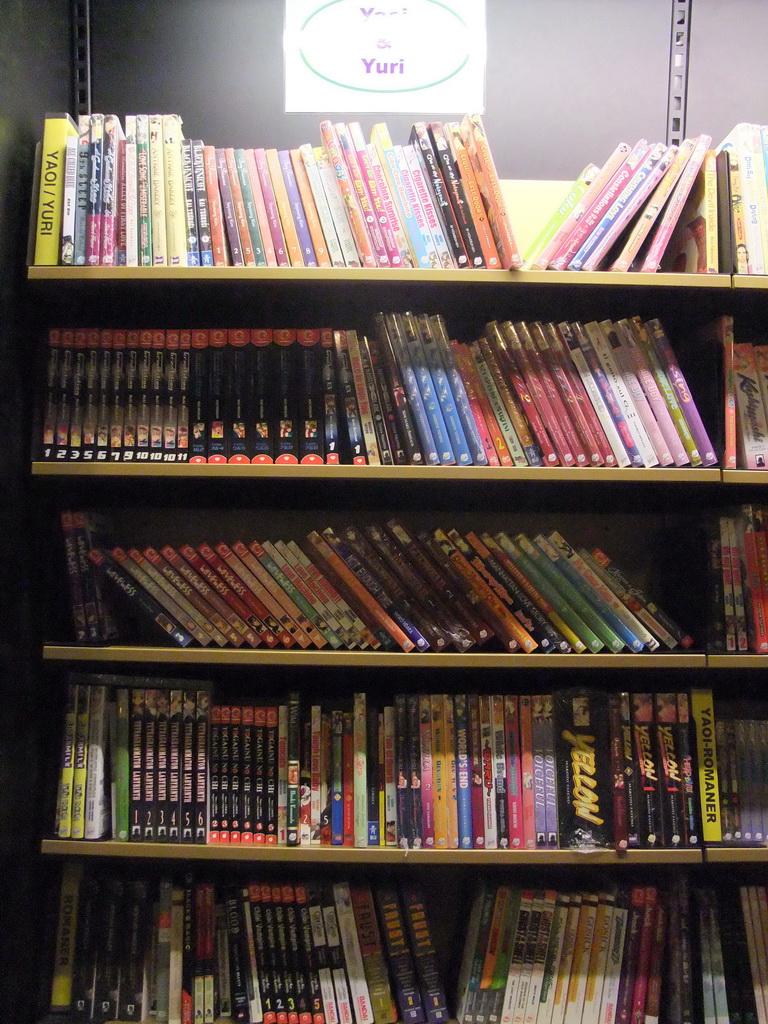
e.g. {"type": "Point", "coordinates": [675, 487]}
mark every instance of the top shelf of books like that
{"type": "Point", "coordinates": [291, 275]}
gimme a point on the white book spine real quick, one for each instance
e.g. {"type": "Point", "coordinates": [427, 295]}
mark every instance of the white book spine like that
{"type": "Point", "coordinates": [598, 960]}
{"type": "Point", "coordinates": [553, 960]}
{"type": "Point", "coordinates": [131, 195]}
{"type": "Point", "coordinates": [324, 973]}
{"type": "Point", "coordinates": [605, 354]}
{"type": "Point", "coordinates": [96, 780]}
{"type": "Point", "coordinates": [354, 959]}
{"type": "Point", "coordinates": [175, 211]}
{"type": "Point", "coordinates": [177, 941]}
{"type": "Point", "coordinates": [512, 987]}
{"type": "Point", "coordinates": [337, 208]}
{"type": "Point", "coordinates": [359, 774]}
{"type": "Point", "coordinates": [316, 801]}
{"type": "Point", "coordinates": [321, 203]}
{"type": "Point", "coordinates": [598, 404]}
{"type": "Point", "coordinates": [343, 1002]}
{"type": "Point", "coordinates": [608, 1003]}
{"type": "Point", "coordinates": [69, 205]}
{"type": "Point", "coordinates": [577, 985]}
{"type": "Point", "coordinates": [566, 960]}
{"type": "Point", "coordinates": [752, 424]}
{"type": "Point", "coordinates": [657, 439]}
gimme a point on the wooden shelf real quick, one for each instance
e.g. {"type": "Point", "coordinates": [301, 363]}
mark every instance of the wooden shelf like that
{"type": "Point", "coordinates": [750, 281]}
{"type": "Point", "coordinates": [287, 275]}
{"type": "Point", "coordinates": [737, 661]}
{"type": "Point", "coordinates": [373, 855]}
{"type": "Point", "coordinates": [746, 476]}
{"type": "Point", "coordinates": [736, 854]}
{"type": "Point", "coordinates": [364, 659]}
{"type": "Point", "coordinates": [394, 474]}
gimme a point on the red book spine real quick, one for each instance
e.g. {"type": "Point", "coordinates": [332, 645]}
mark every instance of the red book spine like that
{"type": "Point", "coordinates": [471, 384]}
{"type": "Point", "coordinates": [218, 243]}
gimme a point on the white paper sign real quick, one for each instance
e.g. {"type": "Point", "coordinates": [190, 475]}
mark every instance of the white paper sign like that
{"type": "Point", "coordinates": [358, 55]}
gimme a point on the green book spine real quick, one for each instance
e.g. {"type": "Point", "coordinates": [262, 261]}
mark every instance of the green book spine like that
{"type": "Point", "coordinates": [546, 234]}
{"type": "Point", "coordinates": [250, 209]}
{"type": "Point", "coordinates": [120, 767]}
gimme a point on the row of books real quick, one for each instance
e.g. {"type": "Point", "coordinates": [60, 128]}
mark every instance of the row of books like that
{"type": "Point", "coordinates": [742, 744]}
{"type": "Point", "coordinates": [380, 587]}
{"type": "Point", "coordinates": [569, 770]}
{"type": "Point", "coordinates": [178, 949]}
{"type": "Point", "coordinates": [142, 195]}
{"type": "Point", "coordinates": [642, 953]}
{"type": "Point", "coordinates": [131, 949]}
{"type": "Point", "coordinates": [739, 581]}
{"type": "Point", "coordinates": [599, 394]}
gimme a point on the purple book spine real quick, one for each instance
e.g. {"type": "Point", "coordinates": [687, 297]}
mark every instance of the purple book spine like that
{"type": "Point", "coordinates": [270, 202]}
{"type": "Point", "coordinates": [297, 208]}
{"type": "Point", "coordinates": [228, 209]}
{"type": "Point", "coordinates": [684, 396]}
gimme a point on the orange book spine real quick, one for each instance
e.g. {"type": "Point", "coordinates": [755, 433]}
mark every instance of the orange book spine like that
{"type": "Point", "coordinates": [292, 246]}
{"type": "Point", "coordinates": [473, 133]}
{"type": "Point", "coordinates": [355, 214]}
{"type": "Point", "coordinates": [342, 570]}
{"type": "Point", "coordinates": [472, 191]}
{"type": "Point", "coordinates": [216, 214]}
{"type": "Point", "coordinates": [310, 210]}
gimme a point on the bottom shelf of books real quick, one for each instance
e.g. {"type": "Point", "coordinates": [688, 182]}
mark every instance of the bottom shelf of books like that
{"type": "Point", "coordinates": [280, 946]}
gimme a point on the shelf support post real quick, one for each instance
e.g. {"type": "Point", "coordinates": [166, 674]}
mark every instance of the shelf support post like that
{"type": "Point", "coordinates": [81, 56]}
{"type": "Point", "coordinates": [677, 84]}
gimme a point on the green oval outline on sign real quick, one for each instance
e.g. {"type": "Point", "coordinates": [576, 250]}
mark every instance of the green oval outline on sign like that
{"type": "Point", "coordinates": [355, 88]}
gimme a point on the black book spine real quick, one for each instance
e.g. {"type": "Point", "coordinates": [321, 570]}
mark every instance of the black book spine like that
{"type": "Point", "coordinates": [149, 768]}
{"type": "Point", "coordinates": [238, 422]}
{"type": "Point", "coordinates": [421, 140]}
{"type": "Point", "coordinates": [202, 712]}
{"type": "Point", "coordinates": [188, 767]}
{"type": "Point", "coordinates": [237, 961]}
{"type": "Point", "coordinates": [409, 439]}
{"type": "Point", "coordinates": [457, 196]}
{"type": "Point", "coordinates": [584, 785]}
{"type": "Point", "coordinates": [162, 786]}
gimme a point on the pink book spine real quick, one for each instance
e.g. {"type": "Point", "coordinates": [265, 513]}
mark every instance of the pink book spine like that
{"type": "Point", "coordinates": [629, 211]}
{"type": "Point", "coordinates": [560, 237]}
{"type": "Point", "coordinates": [593, 214]}
{"type": "Point", "coordinates": [360, 186]}
{"type": "Point", "coordinates": [533, 378]}
{"type": "Point", "coordinates": [261, 209]}
{"type": "Point", "coordinates": [536, 423]}
{"type": "Point", "coordinates": [657, 439]}
{"type": "Point", "coordinates": [655, 400]}
{"type": "Point", "coordinates": [675, 205]}
{"type": "Point", "coordinates": [559, 408]}
{"type": "Point", "coordinates": [476, 771]}
{"type": "Point", "coordinates": [427, 781]}
{"type": "Point", "coordinates": [346, 187]}
{"type": "Point", "coordinates": [462, 365]}
{"type": "Point", "coordinates": [388, 204]}
{"type": "Point", "coordinates": [570, 401]}
{"type": "Point", "coordinates": [583, 401]}
{"type": "Point", "coordinates": [270, 203]}
{"type": "Point", "coordinates": [378, 212]}
{"type": "Point", "coordinates": [514, 773]}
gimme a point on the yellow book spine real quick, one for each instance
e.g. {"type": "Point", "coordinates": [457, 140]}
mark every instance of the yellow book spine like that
{"type": "Point", "coordinates": [710, 205]}
{"type": "Point", "coordinates": [80, 772]}
{"type": "Point", "coordinates": [439, 784]}
{"type": "Point", "coordinates": [50, 201]}
{"type": "Point", "coordinates": [64, 805]}
{"type": "Point", "coordinates": [175, 210]}
{"type": "Point", "coordinates": [66, 936]}
{"type": "Point", "coordinates": [292, 246]}
{"type": "Point", "coordinates": [450, 772]}
{"type": "Point", "coordinates": [702, 710]}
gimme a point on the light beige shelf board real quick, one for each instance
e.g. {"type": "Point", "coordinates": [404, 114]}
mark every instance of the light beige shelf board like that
{"type": "Point", "coordinates": [393, 473]}
{"type": "Point", "coordinates": [358, 274]}
{"type": "Point", "coordinates": [737, 661]}
{"type": "Point", "coordinates": [736, 854]}
{"type": "Point", "coordinates": [223, 852]}
{"type": "Point", "coordinates": [751, 281]}
{"type": "Point", "coordinates": [745, 476]}
{"type": "Point", "coordinates": [370, 855]}
{"type": "Point", "coordinates": [365, 659]}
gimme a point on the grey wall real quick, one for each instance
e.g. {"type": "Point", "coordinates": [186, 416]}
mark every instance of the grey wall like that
{"type": "Point", "coordinates": [566, 80]}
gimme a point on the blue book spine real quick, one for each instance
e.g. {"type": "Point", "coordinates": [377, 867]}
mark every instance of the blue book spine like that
{"type": "Point", "coordinates": [412, 392]}
{"type": "Point", "coordinates": [201, 200]}
{"type": "Point", "coordinates": [297, 208]}
{"type": "Point", "coordinates": [190, 204]}
{"type": "Point", "coordinates": [445, 394]}
{"type": "Point", "coordinates": [583, 586]}
{"type": "Point", "coordinates": [648, 159]}
{"type": "Point", "coordinates": [463, 777]}
{"type": "Point", "coordinates": [404, 208]}
{"type": "Point", "coordinates": [428, 392]}
{"type": "Point", "coordinates": [337, 779]}
{"type": "Point", "coordinates": [81, 195]}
